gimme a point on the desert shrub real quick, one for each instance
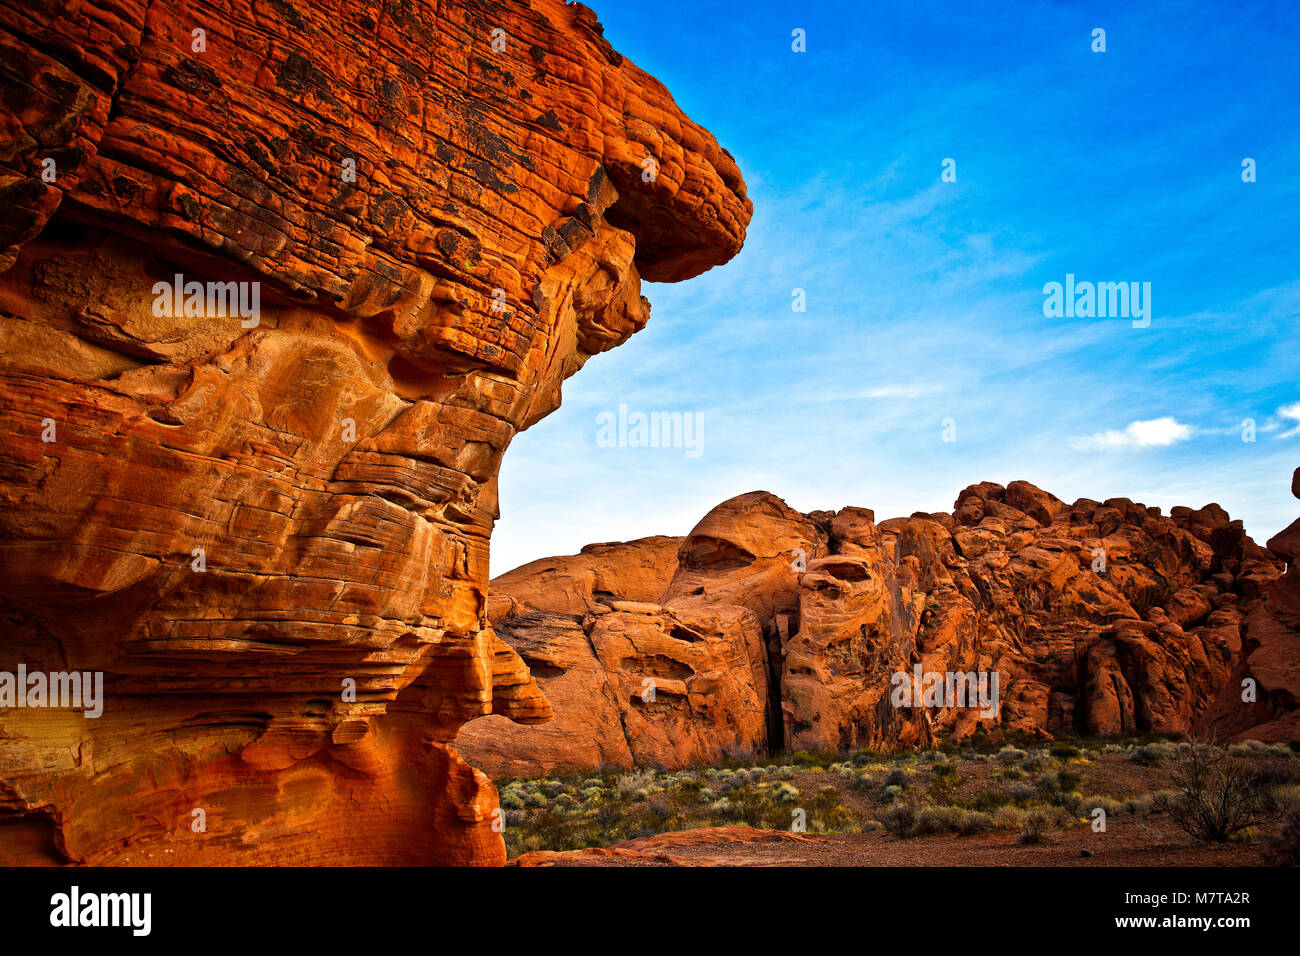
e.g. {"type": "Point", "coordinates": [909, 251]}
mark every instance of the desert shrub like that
{"type": "Point", "coordinates": [1113, 807]}
{"type": "Point", "coordinates": [734, 782]}
{"type": "Point", "coordinates": [1008, 818]}
{"type": "Point", "coordinates": [1149, 755]}
{"type": "Point", "coordinates": [901, 818]}
{"type": "Point", "coordinates": [1247, 748]}
{"type": "Point", "coordinates": [865, 756]}
{"type": "Point", "coordinates": [944, 781]}
{"type": "Point", "coordinates": [1047, 785]}
{"type": "Point", "coordinates": [949, 819]}
{"type": "Point", "coordinates": [897, 778]}
{"type": "Point", "coordinates": [802, 758]}
{"type": "Point", "coordinates": [839, 819]}
{"type": "Point", "coordinates": [1215, 794]}
{"type": "Point", "coordinates": [1035, 827]}
{"type": "Point", "coordinates": [992, 799]}
{"type": "Point", "coordinates": [1149, 803]}
{"type": "Point", "coordinates": [609, 813]}
{"type": "Point", "coordinates": [1287, 796]}
{"type": "Point", "coordinates": [638, 780]}
{"type": "Point", "coordinates": [1010, 755]}
{"type": "Point", "coordinates": [1056, 786]}
{"type": "Point", "coordinates": [862, 783]}
{"type": "Point", "coordinates": [1034, 762]}
{"type": "Point", "coordinates": [552, 788]}
{"type": "Point", "coordinates": [591, 793]}
{"type": "Point", "coordinates": [511, 800]}
{"type": "Point", "coordinates": [1285, 850]}
{"type": "Point", "coordinates": [1068, 780]}
{"type": "Point", "coordinates": [1019, 791]}
{"type": "Point", "coordinates": [940, 820]}
{"type": "Point", "coordinates": [824, 799]}
{"type": "Point", "coordinates": [1063, 750]}
{"type": "Point", "coordinates": [1273, 774]}
{"type": "Point", "coordinates": [785, 793]}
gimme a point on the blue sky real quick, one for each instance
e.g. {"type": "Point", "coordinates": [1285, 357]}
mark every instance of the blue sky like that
{"type": "Point", "coordinates": [924, 299]}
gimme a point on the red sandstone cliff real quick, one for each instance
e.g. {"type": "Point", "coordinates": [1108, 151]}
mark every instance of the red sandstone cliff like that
{"type": "Point", "coordinates": [449, 207]}
{"type": "Point", "coordinates": [780, 629]}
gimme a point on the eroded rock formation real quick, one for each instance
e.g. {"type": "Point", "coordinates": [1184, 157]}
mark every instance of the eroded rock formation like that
{"type": "Point", "coordinates": [1098, 618]}
{"type": "Point", "coordinates": [269, 528]}
{"type": "Point", "coordinates": [1271, 656]}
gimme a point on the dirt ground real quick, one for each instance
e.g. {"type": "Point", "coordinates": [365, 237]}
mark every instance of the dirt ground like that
{"type": "Point", "coordinates": [1146, 839]}
{"type": "Point", "coordinates": [1126, 842]}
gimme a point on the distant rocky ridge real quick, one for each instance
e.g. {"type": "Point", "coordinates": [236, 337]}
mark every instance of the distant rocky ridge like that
{"type": "Point", "coordinates": [766, 629]}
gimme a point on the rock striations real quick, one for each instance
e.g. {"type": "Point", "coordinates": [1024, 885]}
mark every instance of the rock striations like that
{"type": "Point", "coordinates": [260, 508]}
{"type": "Point", "coordinates": [780, 630]}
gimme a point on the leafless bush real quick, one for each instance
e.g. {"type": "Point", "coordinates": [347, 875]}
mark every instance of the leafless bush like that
{"type": "Point", "coordinates": [1215, 794]}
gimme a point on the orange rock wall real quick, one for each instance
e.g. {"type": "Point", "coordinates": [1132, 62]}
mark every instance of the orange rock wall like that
{"type": "Point", "coordinates": [1156, 637]}
{"type": "Point", "coordinates": [272, 538]}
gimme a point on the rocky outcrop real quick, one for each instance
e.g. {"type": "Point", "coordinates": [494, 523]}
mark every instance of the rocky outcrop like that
{"type": "Point", "coordinates": [631, 683]}
{"type": "Point", "coordinates": [262, 511]}
{"type": "Point", "coordinates": [1095, 618]}
{"type": "Point", "coordinates": [1260, 701]}
{"type": "Point", "coordinates": [629, 571]}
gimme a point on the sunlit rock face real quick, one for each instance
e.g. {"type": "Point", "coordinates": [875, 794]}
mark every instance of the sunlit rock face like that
{"type": "Point", "coordinates": [1094, 618]}
{"type": "Point", "coordinates": [266, 520]}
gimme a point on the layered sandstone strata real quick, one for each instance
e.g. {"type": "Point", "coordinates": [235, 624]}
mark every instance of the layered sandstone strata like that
{"type": "Point", "coordinates": [1098, 618]}
{"type": "Point", "coordinates": [269, 531]}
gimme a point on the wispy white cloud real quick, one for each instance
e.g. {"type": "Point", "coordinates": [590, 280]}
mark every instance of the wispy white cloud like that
{"type": "Point", "coordinates": [1152, 433]}
{"type": "Point", "coordinates": [1291, 413]}
{"type": "Point", "coordinates": [909, 391]}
